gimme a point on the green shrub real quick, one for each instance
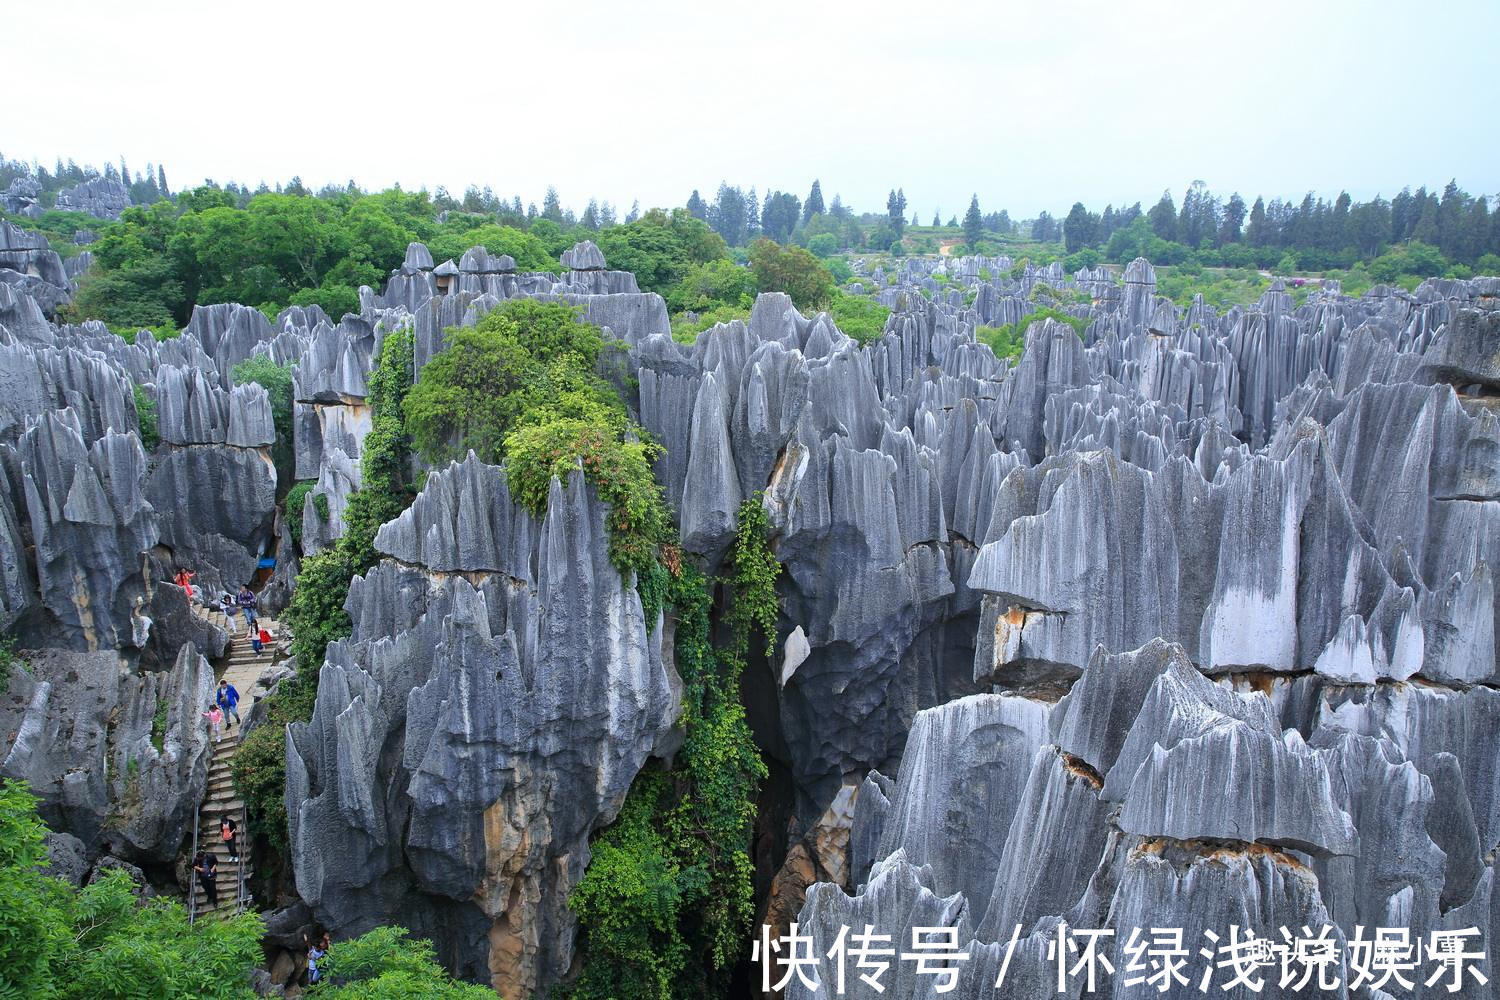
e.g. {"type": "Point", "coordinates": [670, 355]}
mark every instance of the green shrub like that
{"type": "Point", "coordinates": [474, 392]}
{"type": "Point", "coordinates": [1009, 341]}
{"type": "Point", "coordinates": [712, 285]}
{"type": "Point", "coordinates": [277, 381]}
{"type": "Point", "coordinates": [1488, 265]}
{"type": "Point", "coordinates": [336, 299]}
{"type": "Point", "coordinates": [292, 507]}
{"type": "Point", "coordinates": [159, 725]}
{"type": "Point", "coordinates": [792, 270]}
{"type": "Point", "coordinates": [385, 964]}
{"type": "Point", "coordinates": [823, 245]}
{"type": "Point", "coordinates": [1003, 340]}
{"type": "Point", "coordinates": [102, 941]}
{"type": "Point", "coordinates": [860, 317]}
{"type": "Point", "coordinates": [145, 412]}
{"type": "Point", "coordinates": [685, 330]}
{"type": "Point", "coordinates": [619, 469]}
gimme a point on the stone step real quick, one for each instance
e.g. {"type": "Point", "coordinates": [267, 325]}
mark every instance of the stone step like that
{"type": "Point", "coordinates": [226, 805]}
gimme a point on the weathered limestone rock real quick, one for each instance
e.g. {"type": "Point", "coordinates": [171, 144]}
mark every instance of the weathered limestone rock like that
{"type": "Point", "coordinates": [528, 690]}
{"type": "Point", "coordinates": [137, 799]}
{"type": "Point", "coordinates": [101, 197]}
{"type": "Point", "coordinates": [91, 525]}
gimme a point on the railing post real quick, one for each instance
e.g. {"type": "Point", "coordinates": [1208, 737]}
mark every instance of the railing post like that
{"type": "Point", "coordinates": [193, 875]}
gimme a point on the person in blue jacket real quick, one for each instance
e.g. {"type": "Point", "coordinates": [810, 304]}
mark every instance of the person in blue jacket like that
{"type": "Point", "coordinates": [229, 701]}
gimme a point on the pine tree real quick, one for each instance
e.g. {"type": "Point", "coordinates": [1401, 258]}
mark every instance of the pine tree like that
{"type": "Point", "coordinates": [895, 207]}
{"type": "Point", "coordinates": [591, 215]}
{"type": "Point", "coordinates": [697, 207]}
{"type": "Point", "coordinates": [752, 214]}
{"type": "Point", "coordinates": [1257, 234]}
{"type": "Point", "coordinates": [634, 213]}
{"type": "Point", "coordinates": [1163, 217]}
{"type": "Point", "coordinates": [973, 223]}
{"type": "Point", "coordinates": [814, 204]}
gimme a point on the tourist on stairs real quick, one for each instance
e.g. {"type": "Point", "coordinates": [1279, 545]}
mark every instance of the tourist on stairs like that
{"type": "Point", "coordinates": [229, 700]}
{"type": "Point", "coordinates": [228, 832]}
{"type": "Point", "coordinates": [207, 867]}
{"type": "Point", "coordinates": [215, 718]}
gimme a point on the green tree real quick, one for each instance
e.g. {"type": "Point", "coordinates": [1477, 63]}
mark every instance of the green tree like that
{"type": "Point", "coordinates": [661, 248]}
{"type": "Point", "coordinates": [1078, 228]}
{"type": "Point", "coordinates": [814, 204]}
{"type": "Point", "coordinates": [895, 210]}
{"type": "Point", "coordinates": [1163, 217]}
{"type": "Point", "coordinates": [712, 285]}
{"type": "Point", "coordinates": [386, 964]}
{"type": "Point", "coordinates": [103, 941]}
{"type": "Point", "coordinates": [792, 270]}
{"type": "Point", "coordinates": [973, 222]}
{"type": "Point", "coordinates": [476, 391]}
{"type": "Point", "coordinates": [860, 317]}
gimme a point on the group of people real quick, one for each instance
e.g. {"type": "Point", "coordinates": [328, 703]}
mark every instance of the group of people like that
{"type": "Point", "coordinates": [233, 606]}
{"type": "Point", "coordinates": [244, 603]}
{"type": "Point", "coordinates": [226, 706]}
{"type": "Point", "coordinates": [206, 863]}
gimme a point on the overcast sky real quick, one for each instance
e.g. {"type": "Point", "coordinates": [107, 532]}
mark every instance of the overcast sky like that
{"type": "Point", "coordinates": [1030, 105]}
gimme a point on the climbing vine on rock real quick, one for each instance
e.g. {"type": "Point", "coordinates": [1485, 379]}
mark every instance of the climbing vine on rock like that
{"type": "Point", "coordinates": [667, 900]}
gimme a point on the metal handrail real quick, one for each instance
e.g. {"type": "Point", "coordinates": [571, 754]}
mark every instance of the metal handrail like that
{"type": "Point", "coordinates": [241, 897]}
{"type": "Point", "coordinates": [192, 872]}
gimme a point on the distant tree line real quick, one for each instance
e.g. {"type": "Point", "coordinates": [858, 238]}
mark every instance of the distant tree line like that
{"type": "Point", "coordinates": [1315, 233]}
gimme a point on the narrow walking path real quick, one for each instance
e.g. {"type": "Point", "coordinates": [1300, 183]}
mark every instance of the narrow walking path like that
{"type": "Point", "coordinates": [241, 666]}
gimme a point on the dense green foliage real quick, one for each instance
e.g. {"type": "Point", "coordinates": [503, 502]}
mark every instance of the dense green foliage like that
{"type": "Point", "coordinates": [661, 248]}
{"type": "Point", "coordinates": [8, 661]}
{"type": "Point", "coordinates": [102, 942]}
{"type": "Point", "coordinates": [665, 904]}
{"type": "Point", "coordinates": [685, 328]}
{"type": "Point", "coordinates": [521, 357]}
{"type": "Point", "coordinates": [1009, 340]}
{"type": "Point", "coordinates": [792, 270]}
{"type": "Point", "coordinates": [858, 316]}
{"type": "Point", "coordinates": [277, 381]}
{"type": "Point", "coordinates": [387, 964]}
{"type": "Point", "coordinates": [712, 285]}
{"type": "Point", "coordinates": [316, 615]}
{"type": "Point", "coordinates": [524, 387]}
{"type": "Point", "coordinates": [145, 412]}
{"type": "Point", "coordinates": [619, 468]}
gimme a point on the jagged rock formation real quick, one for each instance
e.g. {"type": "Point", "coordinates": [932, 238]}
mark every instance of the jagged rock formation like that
{"type": "Point", "coordinates": [512, 678]}
{"type": "Point", "coordinates": [101, 197]}
{"type": "Point", "coordinates": [135, 797]}
{"type": "Point", "coordinates": [1255, 552]}
{"type": "Point", "coordinates": [1186, 621]}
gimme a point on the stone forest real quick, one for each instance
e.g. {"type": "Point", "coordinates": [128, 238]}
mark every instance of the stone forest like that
{"type": "Point", "coordinates": [644, 609]}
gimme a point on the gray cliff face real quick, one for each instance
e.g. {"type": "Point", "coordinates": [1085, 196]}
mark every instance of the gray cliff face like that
{"type": "Point", "coordinates": [499, 694]}
{"type": "Point", "coordinates": [1255, 553]}
{"type": "Point", "coordinates": [134, 799]}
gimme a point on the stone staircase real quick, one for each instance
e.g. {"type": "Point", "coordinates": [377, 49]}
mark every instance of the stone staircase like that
{"type": "Point", "coordinates": [241, 666]}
